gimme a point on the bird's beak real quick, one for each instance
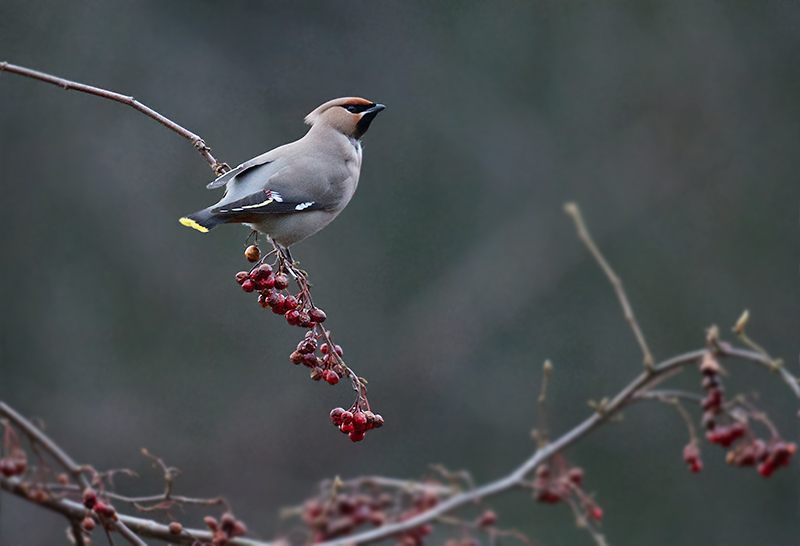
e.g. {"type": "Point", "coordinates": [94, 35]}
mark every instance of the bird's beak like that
{"type": "Point", "coordinates": [366, 118]}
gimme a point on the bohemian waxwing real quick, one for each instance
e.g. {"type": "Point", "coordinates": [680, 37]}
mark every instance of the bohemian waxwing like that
{"type": "Point", "coordinates": [297, 189]}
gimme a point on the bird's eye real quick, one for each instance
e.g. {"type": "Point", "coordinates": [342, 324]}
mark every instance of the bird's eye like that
{"type": "Point", "coordinates": [352, 108]}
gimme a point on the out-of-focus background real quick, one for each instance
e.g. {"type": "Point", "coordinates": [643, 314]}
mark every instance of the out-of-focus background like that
{"type": "Point", "coordinates": [449, 279]}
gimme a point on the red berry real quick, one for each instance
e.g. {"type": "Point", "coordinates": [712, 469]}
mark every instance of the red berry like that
{"type": "Point", "coordinates": [242, 276]}
{"type": "Point", "coordinates": [359, 421]}
{"type": "Point", "coordinates": [266, 282]}
{"type": "Point", "coordinates": [7, 467]}
{"type": "Point", "coordinates": [575, 475]}
{"type": "Point", "coordinates": [378, 421]}
{"type": "Point", "coordinates": [331, 377]}
{"type": "Point", "coordinates": [281, 281]}
{"type": "Point", "coordinates": [88, 523]}
{"type": "Point", "coordinates": [356, 436]}
{"type": "Point", "coordinates": [347, 417]}
{"type": "Point", "coordinates": [596, 513]}
{"type": "Point", "coordinates": [766, 469]}
{"type": "Point", "coordinates": [489, 517]}
{"type": "Point", "coordinates": [346, 428]}
{"type": "Point", "coordinates": [211, 523]}
{"type": "Point", "coordinates": [292, 317]}
{"type": "Point", "coordinates": [175, 528]}
{"type": "Point", "coordinates": [248, 285]}
{"type": "Point", "coordinates": [339, 350]}
{"type": "Point", "coordinates": [324, 349]}
{"type": "Point", "coordinates": [317, 315]}
{"type": "Point", "coordinates": [291, 302]}
{"type": "Point", "coordinates": [89, 498]}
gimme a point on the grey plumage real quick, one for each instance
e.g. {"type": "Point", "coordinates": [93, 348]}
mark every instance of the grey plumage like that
{"type": "Point", "coordinates": [297, 189]}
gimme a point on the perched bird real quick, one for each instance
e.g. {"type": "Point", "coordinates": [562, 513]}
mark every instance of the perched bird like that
{"type": "Point", "coordinates": [297, 189]}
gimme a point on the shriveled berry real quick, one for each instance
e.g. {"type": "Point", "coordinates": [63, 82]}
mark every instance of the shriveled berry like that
{"type": "Point", "coordinates": [356, 436]}
{"type": "Point", "coordinates": [296, 357]}
{"type": "Point", "coordinates": [88, 523]}
{"type": "Point", "coordinates": [274, 299]}
{"type": "Point", "coordinates": [317, 315]}
{"type": "Point", "coordinates": [281, 281]}
{"type": "Point", "coordinates": [316, 374]}
{"type": "Point", "coordinates": [242, 276]}
{"type": "Point", "coordinates": [291, 302]}
{"type": "Point", "coordinates": [248, 285]}
{"type": "Point", "coordinates": [310, 360]}
{"type": "Point", "coordinates": [252, 253]}
{"type": "Point", "coordinates": [262, 301]}
{"type": "Point", "coordinates": [378, 422]}
{"type": "Point", "coordinates": [304, 320]}
{"type": "Point", "coordinates": [307, 346]}
{"type": "Point", "coordinates": [175, 528]}
{"type": "Point", "coordinates": [336, 416]}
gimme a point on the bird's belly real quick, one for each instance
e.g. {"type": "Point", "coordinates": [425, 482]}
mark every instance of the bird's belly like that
{"type": "Point", "coordinates": [288, 229]}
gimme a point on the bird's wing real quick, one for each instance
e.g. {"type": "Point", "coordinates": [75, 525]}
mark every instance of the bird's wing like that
{"type": "Point", "coordinates": [266, 202]}
{"type": "Point", "coordinates": [264, 160]}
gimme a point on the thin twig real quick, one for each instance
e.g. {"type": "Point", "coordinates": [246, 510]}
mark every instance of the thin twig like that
{"type": "Point", "coordinates": [39, 437]}
{"type": "Point", "coordinates": [199, 143]}
{"type": "Point", "coordinates": [573, 210]}
{"type": "Point", "coordinates": [141, 527]}
{"type": "Point", "coordinates": [517, 477]}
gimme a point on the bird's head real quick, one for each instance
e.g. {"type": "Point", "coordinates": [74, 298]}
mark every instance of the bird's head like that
{"type": "Point", "coordinates": [350, 116]}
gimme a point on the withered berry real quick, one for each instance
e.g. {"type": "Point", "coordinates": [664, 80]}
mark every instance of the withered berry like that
{"type": "Point", "coordinates": [252, 253]}
{"type": "Point", "coordinates": [317, 315]}
{"type": "Point", "coordinates": [281, 281]}
{"type": "Point", "coordinates": [242, 276]}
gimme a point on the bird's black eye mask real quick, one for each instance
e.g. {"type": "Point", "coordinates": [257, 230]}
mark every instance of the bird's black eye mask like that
{"type": "Point", "coordinates": [357, 108]}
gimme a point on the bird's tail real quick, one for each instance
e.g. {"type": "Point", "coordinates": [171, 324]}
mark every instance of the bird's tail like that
{"type": "Point", "coordinates": [202, 220]}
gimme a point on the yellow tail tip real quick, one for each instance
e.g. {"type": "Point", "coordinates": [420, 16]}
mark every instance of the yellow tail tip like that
{"type": "Point", "coordinates": [188, 222]}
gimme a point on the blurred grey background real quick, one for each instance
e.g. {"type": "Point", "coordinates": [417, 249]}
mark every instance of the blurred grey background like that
{"type": "Point", "coordinates": [451, 276]}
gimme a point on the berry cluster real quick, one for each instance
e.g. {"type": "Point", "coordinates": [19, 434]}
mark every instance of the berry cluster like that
{"type": "Point", "coordinates": [270, 286]}
{"type": "Point", "coordinates": [227, 528]}
{"type": "Point", "coordinates": [327, 367]}
{"type": "Point", "coordinates": [354, 422]}
{"type": "Point", "coordinates": [97, 505]}
{"type": "Point", "coordinates": [554, 483]}
{"type": "Point", "coordinates": [272, 283]}
{"type": "Point", "coordinates": [331, 518]}
{"type": "Point", "coordinates": [752, 451]}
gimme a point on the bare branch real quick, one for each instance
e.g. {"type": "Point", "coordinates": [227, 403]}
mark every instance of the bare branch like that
{"type": "Point", "coordinates": [199, 143]}
{"type": "Point", "coordinates": [573, 210]}
{"type": "Point", "coordinates": [140, 527]}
